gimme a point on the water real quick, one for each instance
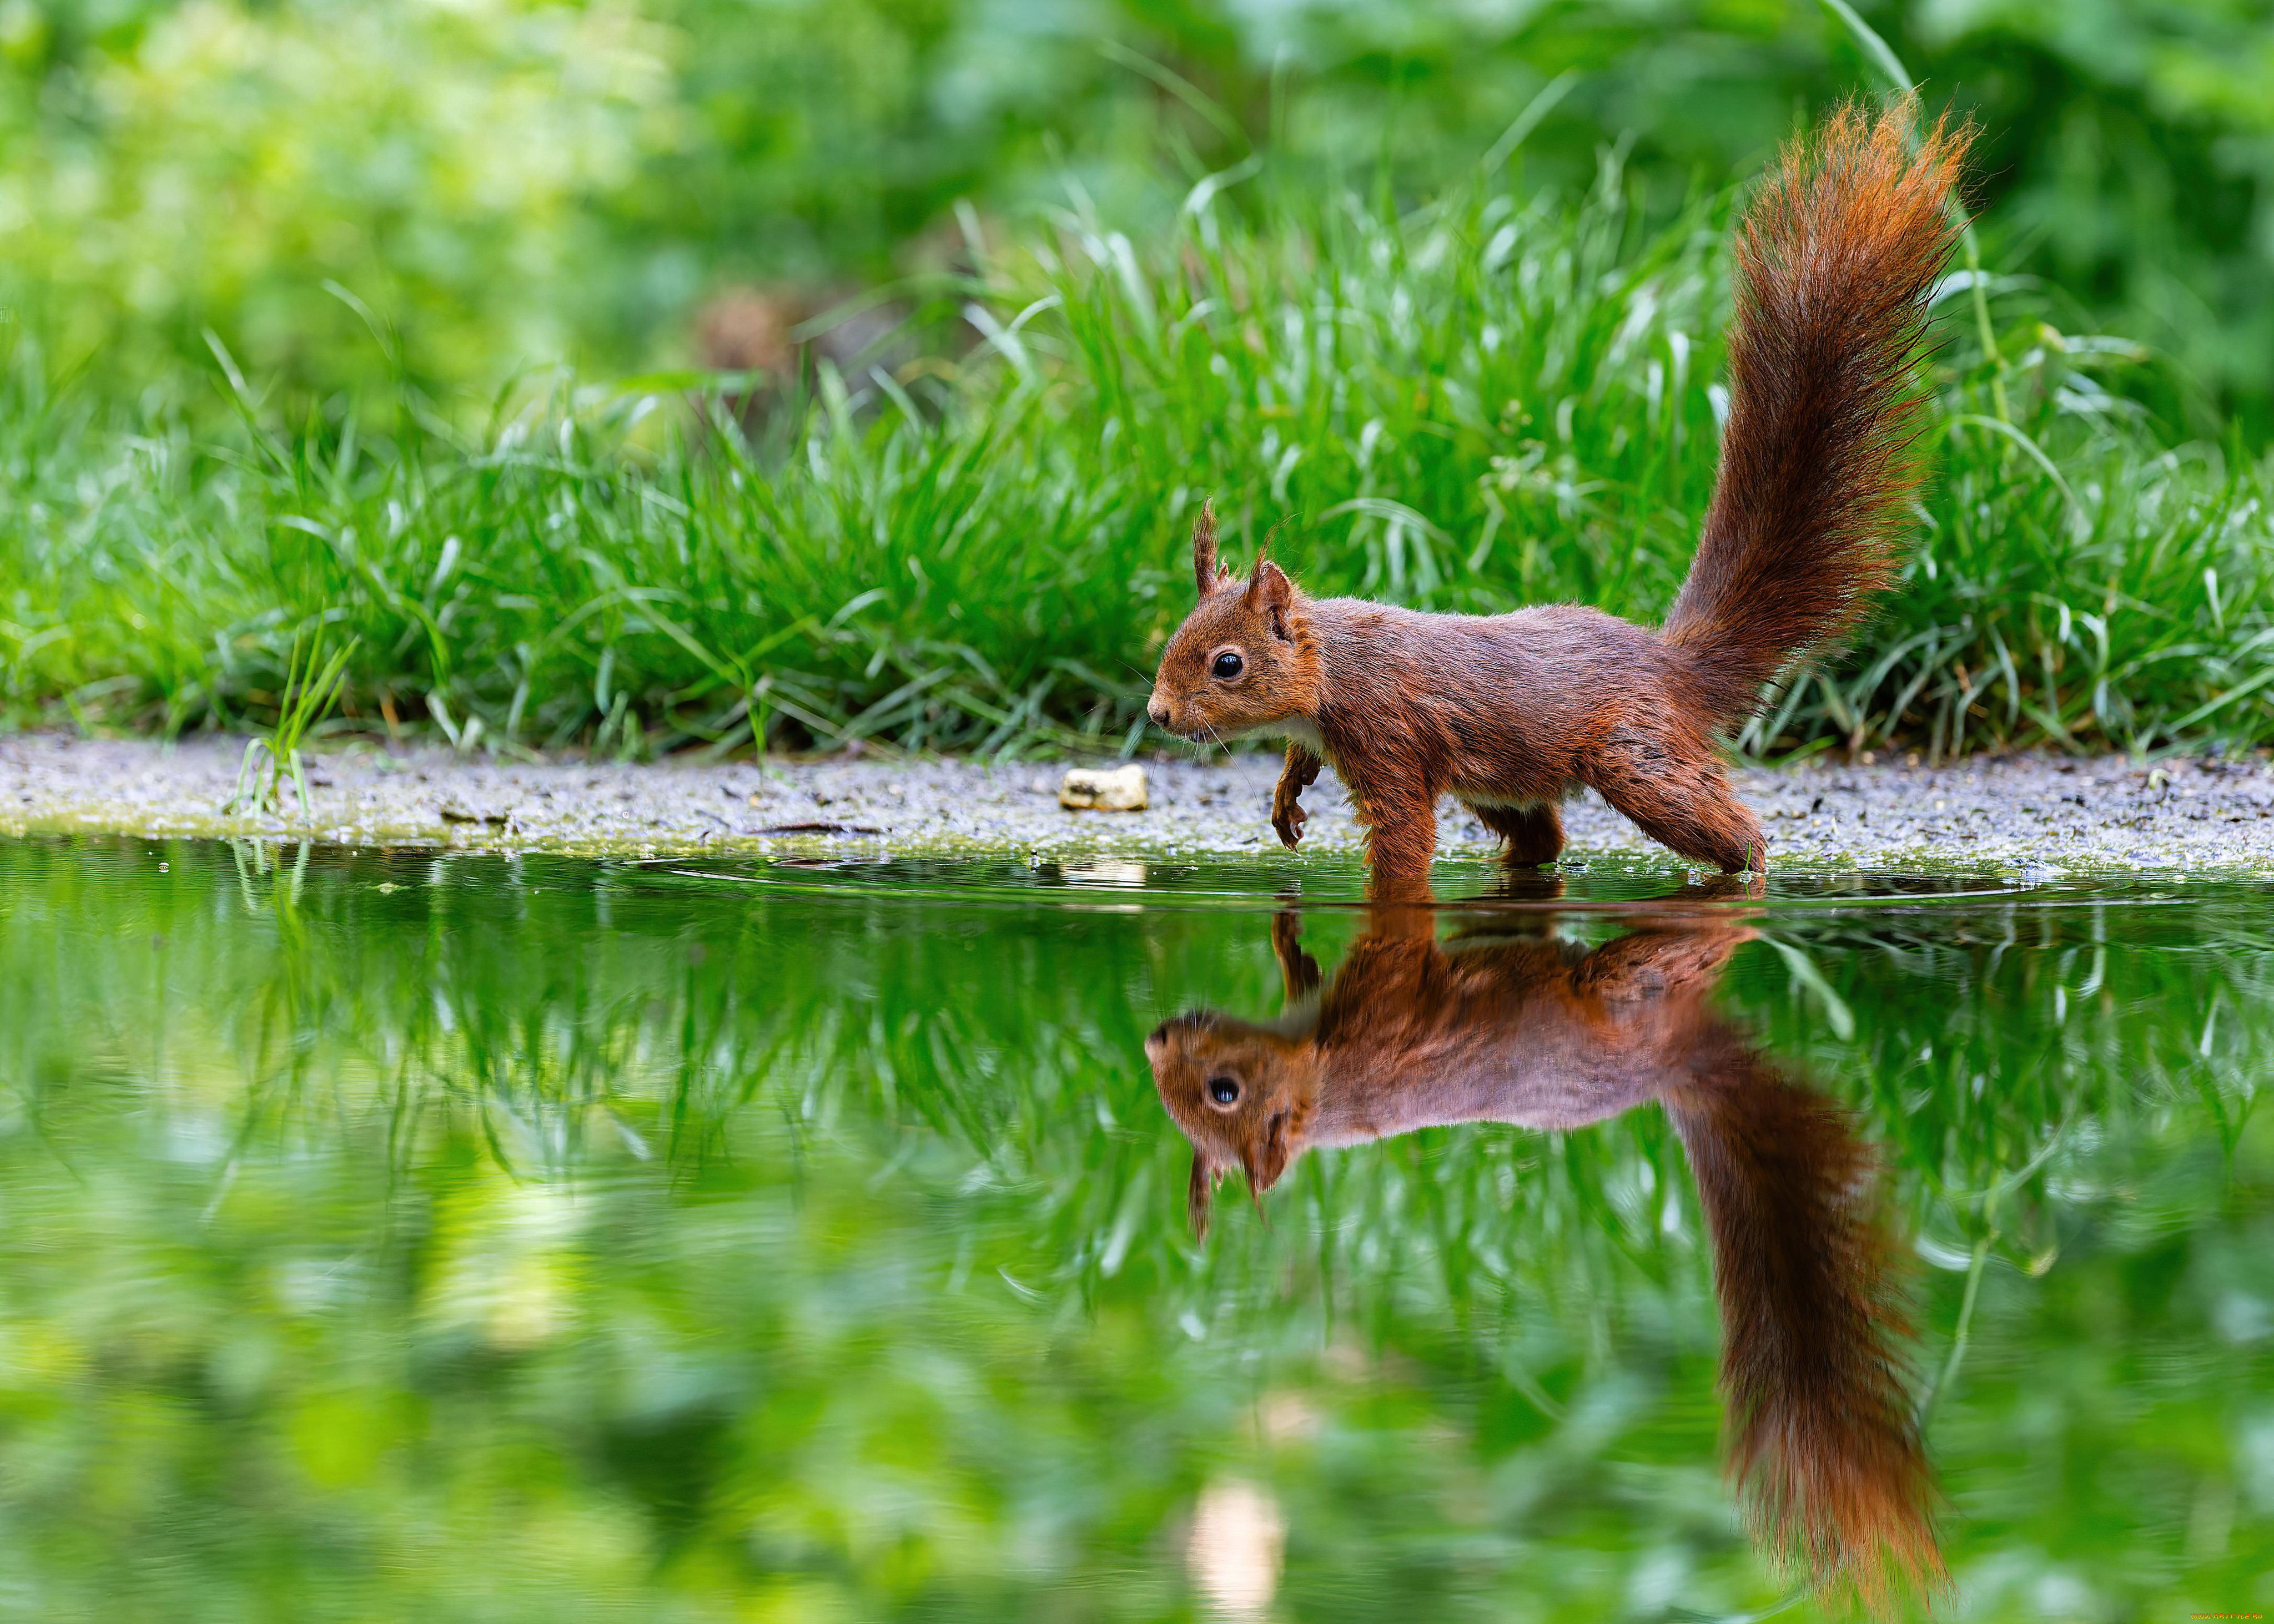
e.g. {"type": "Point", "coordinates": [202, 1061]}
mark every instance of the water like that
{"type": "Point", "coordinates": [392, 1235]}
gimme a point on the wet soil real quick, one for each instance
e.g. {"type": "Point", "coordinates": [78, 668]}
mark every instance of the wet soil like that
{"type": "Point", "coordinates": [2070, 813]}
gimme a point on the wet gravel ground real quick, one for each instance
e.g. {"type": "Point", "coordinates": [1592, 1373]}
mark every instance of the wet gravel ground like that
{"type": "Point", "coordinates": [2028, 812]}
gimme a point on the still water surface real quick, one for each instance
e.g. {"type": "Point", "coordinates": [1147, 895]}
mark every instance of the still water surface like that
{"type": "Point", "coordinates": [390, 1235]}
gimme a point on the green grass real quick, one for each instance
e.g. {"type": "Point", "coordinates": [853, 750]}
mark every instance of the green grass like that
{"type": "Point", "coordinates": [1483, 403]}
{"type": "Point", "coordinates": [272, 762]}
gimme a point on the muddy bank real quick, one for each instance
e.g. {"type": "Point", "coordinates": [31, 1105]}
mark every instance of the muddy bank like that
{"type": "Point", "coordinates": [2097, 813]}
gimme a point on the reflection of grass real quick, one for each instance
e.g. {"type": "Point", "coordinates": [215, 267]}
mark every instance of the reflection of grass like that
{"type": "Point", "coordinates": [1485, 401]}
{"type": "Point", "coordinates": [716, 1242]}
{"type": "Point", "coordinates": [271, 761]}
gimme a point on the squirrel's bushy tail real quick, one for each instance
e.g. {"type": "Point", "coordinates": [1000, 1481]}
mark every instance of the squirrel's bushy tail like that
{"type": "Point", "coordinates": [1835, 261]}
{"type": "Point", "coordinates": [1821, 1435]}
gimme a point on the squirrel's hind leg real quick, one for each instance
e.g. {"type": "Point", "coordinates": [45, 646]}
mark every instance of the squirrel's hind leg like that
{"type": "Point", "coordinates": [1530, 836]}
{"type": "Point", "coordinates": [1401, 838]}
{"type": "Point", "coordinates": [1678, 798]}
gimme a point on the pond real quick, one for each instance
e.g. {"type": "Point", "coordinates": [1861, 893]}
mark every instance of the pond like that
{"type": "Point", "coordinates": [393, 1234]}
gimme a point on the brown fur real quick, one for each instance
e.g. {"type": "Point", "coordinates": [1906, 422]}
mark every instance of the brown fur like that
{"type": "Point", "coordinates": [1821, 1436]}
{"type": "Point", "coordinates": [1408, 1034]}
{"type": "Point", "coordinates": [1512, 713]}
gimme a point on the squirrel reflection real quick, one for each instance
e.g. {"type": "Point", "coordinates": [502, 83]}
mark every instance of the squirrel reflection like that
{"type": "Point", "coordinates": [1411, 1034]}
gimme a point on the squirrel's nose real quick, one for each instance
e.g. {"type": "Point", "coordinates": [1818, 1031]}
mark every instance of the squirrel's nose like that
{"type": "Point", "coordinates": [1159, 711]}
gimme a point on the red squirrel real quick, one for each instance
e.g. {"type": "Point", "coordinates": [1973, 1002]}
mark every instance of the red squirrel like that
{"type": "Point", "coordinates": [1512, 713]}
{"type": "Point", "coordinates": [1411, 1034]}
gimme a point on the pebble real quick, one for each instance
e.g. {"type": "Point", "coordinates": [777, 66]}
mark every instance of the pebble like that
{"type": "Point", "coordinates": [1103, 789]}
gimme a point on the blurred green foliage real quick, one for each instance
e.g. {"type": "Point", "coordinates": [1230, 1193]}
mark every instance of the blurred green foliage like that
{"type": "Point", "coordinates": [178, 168]}
{"type": "Point", "coordinates": [511, 182]}
{"type": "Point", "coordinates": [1488, 402]}
{"type": "Point", "coordinates": [419, 1234]}
{"type": "Point", "coordinates": [285, 279]}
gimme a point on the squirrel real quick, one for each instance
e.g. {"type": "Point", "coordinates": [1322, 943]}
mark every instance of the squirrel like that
{"type": "Point", "coordinates": [1409, 1033]}
{"type": "Point", "coordinates": [1512, 713]}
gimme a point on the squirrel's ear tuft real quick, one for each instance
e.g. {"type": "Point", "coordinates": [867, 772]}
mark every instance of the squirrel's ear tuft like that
{"type": "Point", "coordinates": [1207, 574]}
{"type": "Point", "coordinates": [1270, 592]}
{"type": "Point", "coordinates": [1269, 587]}
{"type": "Point", "coordinates": [1265, 1157]}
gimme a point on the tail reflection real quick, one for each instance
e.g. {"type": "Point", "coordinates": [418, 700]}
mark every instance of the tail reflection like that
{"type": "Point", "coordinates": [1409, 1033]}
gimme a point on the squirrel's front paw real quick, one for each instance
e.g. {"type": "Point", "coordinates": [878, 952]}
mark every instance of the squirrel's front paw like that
{"type": "Point", "coordinates": [1288, 818]}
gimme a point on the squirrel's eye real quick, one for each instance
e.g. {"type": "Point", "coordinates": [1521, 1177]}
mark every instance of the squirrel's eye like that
{"type": "Point", "coordinates": [1227, 666]}
{"type": "Point", "coordinates": [1224, 1090]}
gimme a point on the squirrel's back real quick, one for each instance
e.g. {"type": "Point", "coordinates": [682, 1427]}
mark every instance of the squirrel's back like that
{"type": "Point", "coordinates": [1834, 263]}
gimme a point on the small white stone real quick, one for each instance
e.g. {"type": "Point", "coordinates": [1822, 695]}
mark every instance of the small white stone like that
{"type": "Point", "coordinates": [1103, 789]}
